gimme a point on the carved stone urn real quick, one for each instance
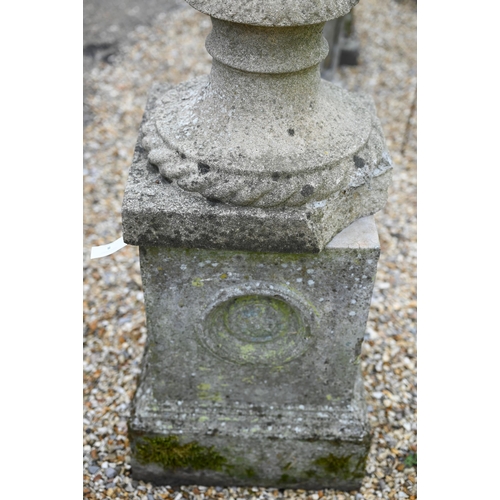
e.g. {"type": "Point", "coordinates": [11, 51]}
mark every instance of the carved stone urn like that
{"type": "Point", "coordinates": [264, 131]}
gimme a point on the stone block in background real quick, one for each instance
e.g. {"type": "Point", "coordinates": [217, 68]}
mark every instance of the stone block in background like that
{"type": "Point", "coordinates": [343, 45]}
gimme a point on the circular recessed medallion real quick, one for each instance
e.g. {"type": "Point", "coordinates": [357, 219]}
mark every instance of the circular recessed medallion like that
{"type": "Point", "coordinates": [258, 319]}
{"type": "Point", "coordinates": [256, 329]}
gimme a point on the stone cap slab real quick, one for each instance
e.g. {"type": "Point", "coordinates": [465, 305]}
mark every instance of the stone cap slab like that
{"type": "Point", "coordinates": [158, 213]}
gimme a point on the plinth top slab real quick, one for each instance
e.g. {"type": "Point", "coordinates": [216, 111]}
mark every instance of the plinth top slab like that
{"type": "Point", "coordinates": [158, 213]}
{"type": "Point", "coordinates": [274, 12]}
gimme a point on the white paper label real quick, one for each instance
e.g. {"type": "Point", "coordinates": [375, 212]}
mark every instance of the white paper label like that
{"type": "Point", "coordinates": [103, 250]}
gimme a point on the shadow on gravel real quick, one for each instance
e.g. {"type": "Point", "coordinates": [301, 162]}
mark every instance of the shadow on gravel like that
{"type": "Point", "coordinates": [101, 51]}
{"type": "Point", "coordinates": [106, 24]}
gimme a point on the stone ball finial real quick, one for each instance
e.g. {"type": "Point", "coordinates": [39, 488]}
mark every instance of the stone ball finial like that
{"type": "Point", "coordinates": [274, 12]}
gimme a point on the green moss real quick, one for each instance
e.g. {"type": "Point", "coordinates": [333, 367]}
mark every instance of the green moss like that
{"type": "Point", "coordinates": [285, 478]}
{"type": "Point", "coordinates": [153, 251]}
{"type": "Point", "coordinates": [359, 471]}
{"type": "Point", "coordinates": [279, 257]}
{"type": "Point", "coordinates": [340, 466]}
{"type": "Point", "coordinates": [250, 472]}
{"type": "Point", "coordinates": [309, 303]}
{"type": "Point", "coordinates": [197, 282]}
{"type": "Point", "coordinates": [169, 452]}
{"type": "Point", "coordinates": [205, 392]}
{"type": "Point", "coordinates": [335, 465]}
{"type": "Point", "coordinates": [246, 350]}
{"type": "Point", "coordinates": [411, 460]}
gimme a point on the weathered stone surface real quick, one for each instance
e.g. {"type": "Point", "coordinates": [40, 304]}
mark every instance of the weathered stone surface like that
{"type": "Point", "coordinates": [251, 373]}
{"type": "Point", "coordinates": [264, 131]}
{"type": "Point", "coordinates": [274, 12]}
{"type": "Point", "coordinates": [309, 150]}
{"type": "Point", "coordinates": [266, 50]}
{"type": "Point", "coordinates": [157, 212]}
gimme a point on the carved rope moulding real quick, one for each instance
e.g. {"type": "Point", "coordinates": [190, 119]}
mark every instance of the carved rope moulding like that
{"type": "Point", "coordinates": [222, 166]}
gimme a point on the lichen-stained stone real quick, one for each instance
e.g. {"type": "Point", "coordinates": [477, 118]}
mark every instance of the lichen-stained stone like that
{"type": "Point", "coordinates": [158, 212]}
{"type": "Point", "coordinates": [251, 373]}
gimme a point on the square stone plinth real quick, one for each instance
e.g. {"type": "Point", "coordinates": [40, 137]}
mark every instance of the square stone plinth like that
{"type": "Point", "coordinates": [251, 374]}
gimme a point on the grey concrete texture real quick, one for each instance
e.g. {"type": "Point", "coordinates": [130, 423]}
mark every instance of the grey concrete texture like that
{"type": "Point", "coordinates": [274, 12]}
{"type": "Point", "coordinates": [157, 212]}
{"type": "Point", "coordinates": [265, 89]}
{"type": "Point", "coordinates": [253, 359]}
{"type": "Point", "coordinates": [260, 49]}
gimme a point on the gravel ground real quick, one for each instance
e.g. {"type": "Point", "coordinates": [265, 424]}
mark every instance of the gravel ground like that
{"type": "Point", "coordinates": [172, 49]}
